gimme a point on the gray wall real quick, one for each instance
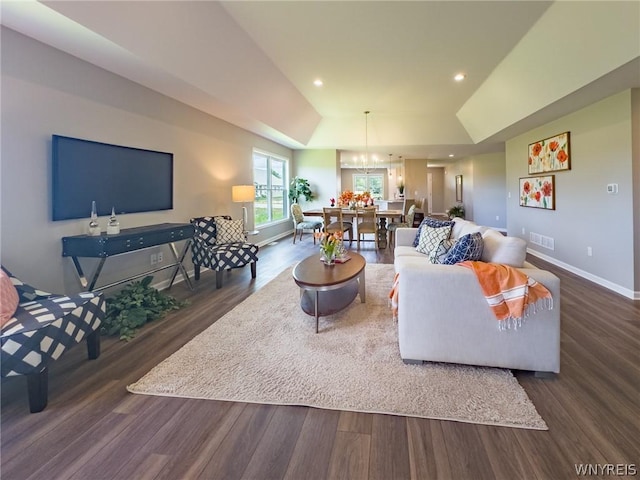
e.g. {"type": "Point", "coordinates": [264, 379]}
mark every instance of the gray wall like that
{"type": "Point", "coordinates": [488, 190]}
{"type": "Point", "coordinates": [586, 215]}
{"type": "Point", "coordinates": [45, 92]}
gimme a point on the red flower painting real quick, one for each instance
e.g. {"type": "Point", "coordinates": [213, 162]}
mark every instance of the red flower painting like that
{"type": "Point", "coordinates": [550, 154]}
{"type": "Point", "coordinates": [538, 192]}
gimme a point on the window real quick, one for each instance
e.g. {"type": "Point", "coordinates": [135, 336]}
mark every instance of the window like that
{"type": "Point", "coordinates": [270, 176]}
{"type": "Point", "coordinates": [374, 184]}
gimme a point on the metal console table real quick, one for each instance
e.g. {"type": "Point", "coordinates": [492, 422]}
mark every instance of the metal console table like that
{"type": "Point", "coordinates": [129, 240]}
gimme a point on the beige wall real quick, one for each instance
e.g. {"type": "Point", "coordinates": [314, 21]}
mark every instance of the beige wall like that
{"type": "Point", "coordinates": [321, 168]}
{"type": "Point", "coordinates": [45, 92]}
{"type": "Point", "coordinates": [585, 215]}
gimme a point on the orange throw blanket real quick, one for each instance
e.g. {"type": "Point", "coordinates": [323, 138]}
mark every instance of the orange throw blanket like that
{"type": "Point", "coordinates": [511, 294]}
{"type": "Point", "coordinates": [393, 296]}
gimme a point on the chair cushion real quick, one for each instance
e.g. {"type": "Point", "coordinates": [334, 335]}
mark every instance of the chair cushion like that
{"type": "Point", "coordinates": [467, 247]}
{"type": "Point", "coordinates": [230, 231]}
{"type": "Point", "coordinates": [8, 298]}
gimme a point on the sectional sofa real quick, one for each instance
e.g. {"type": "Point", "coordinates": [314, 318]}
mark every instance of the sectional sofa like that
{"type": "Point", "coordinates": [443, 315]}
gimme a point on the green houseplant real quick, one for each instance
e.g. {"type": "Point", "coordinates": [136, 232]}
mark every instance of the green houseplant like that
{"type": "Point", "coordinates": [135, 305]}
{"type": "Point", "coordinates": [456, 211]}
{"type": "Point", "coordinates": [300, 187]}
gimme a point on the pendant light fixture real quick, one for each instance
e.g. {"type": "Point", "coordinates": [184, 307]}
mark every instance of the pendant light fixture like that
{"type": "Point", "coordinates": [366, 164]}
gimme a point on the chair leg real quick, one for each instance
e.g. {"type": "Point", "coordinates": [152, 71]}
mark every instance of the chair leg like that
{"type": "Point", "coordinates": [93, 345]}
{"type": "Point", "coordinates": [253, 269]}
{"type": "Point", "coordinates": [196, 272]}
{"type": "Point", "coordinates": [295, 233]}
{"type": "Point", "coordinates": [219, 274]}
{"type": "Point", "coordinates": [301, 232]}
{"type": "Point", "coordinates": [37, 388]}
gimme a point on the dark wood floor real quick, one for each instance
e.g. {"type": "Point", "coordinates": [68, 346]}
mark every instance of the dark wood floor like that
{"type": "Point", "coordinates": [94, 429]}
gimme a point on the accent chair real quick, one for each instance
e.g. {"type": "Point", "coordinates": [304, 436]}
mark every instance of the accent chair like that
{"type": "Point", "coordinates": [300, 223]}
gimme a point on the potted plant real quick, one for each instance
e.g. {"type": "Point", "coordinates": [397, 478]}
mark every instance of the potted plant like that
{"type": "Point", "coordinates": [300, 187]}
{"type": "Point", "coordinates": [456, 211]}
{"type": "Point", "coordinates": [401, 188]}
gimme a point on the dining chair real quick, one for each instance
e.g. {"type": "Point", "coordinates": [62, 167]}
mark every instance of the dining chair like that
{"type": "Point", "coordinates": [300, 223]}
{"type": "Point", "coordinates": [366, 222]}
{"type": "Point", "coordinates": [408, 223]}
{"type": "Point", "coordinates": [334, 222]}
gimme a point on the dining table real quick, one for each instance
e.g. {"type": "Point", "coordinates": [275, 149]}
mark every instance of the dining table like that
{"type": "Point", "coordinates": [382, 215]}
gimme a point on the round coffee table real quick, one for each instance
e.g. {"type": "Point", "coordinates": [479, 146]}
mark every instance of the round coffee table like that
{"type": "Point", "coordinates": [327, 289]}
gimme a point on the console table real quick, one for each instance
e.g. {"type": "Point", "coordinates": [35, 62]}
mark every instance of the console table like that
{"type": "Point", "coordinates": [129, 240]}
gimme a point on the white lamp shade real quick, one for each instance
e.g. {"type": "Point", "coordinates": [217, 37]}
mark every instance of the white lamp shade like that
{"type": "Point", "coordinates": [243, 193]}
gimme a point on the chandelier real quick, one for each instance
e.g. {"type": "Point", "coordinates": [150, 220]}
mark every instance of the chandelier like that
{"type": "Point", "coordinates": [364, 163]}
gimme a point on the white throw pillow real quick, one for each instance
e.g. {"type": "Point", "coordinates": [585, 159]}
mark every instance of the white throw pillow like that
{"type": "Point", "coordinates": [430, 238]}
{"type": "Point", "coordinates": [510, 251]}
{"type": "Point", "coordinates": [229, 231]}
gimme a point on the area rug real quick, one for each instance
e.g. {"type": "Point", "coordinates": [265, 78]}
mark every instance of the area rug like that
{"type": "Point", "coordinates": [266, 351]}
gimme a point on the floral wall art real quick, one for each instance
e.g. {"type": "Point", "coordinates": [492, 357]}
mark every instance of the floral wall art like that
{"type": "Point", "coordinates": [538, 192]}
{"type": "Point", "coordinates": [550, 155]}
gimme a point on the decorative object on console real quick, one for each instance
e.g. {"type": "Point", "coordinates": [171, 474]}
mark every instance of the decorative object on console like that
{"type": "Point", "coordinates": [538, 192]}
{"type": "Point", "coordinates": [94, 226]}
{"type": "Point", "coordinates": [113, 227]}
{"type": "Point", "coordinates": [550, 155]}
{"type": "Point", "coordinates": [243, 194]}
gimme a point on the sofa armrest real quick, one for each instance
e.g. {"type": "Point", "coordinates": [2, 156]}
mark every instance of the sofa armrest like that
{"type": "Point", "coordinates": [405, 236]}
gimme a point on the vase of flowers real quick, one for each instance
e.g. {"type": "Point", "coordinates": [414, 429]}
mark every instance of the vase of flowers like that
{"type": "Point", "coordinates": [329, 246]}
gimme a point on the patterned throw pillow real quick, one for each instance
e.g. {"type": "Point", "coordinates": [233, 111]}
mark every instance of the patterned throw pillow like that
{"type": "Point", "coordinates": [8, 298]}
{"type": "Point", "coordinates": [468, 247]}
{"type": "Point", "coordinates": [430, 238]}
{"type": "Point", "coordinates": [439, 253]}
{"type": "Point", "coordinates": [430, 222]}
{"type": "Point", "coordinates": [229, 231]}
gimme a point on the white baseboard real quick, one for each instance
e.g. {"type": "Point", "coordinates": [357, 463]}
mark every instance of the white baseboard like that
{"type": "Point", "coordinates": [588, 276]}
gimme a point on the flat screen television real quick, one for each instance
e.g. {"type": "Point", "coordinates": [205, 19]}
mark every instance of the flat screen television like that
{"type": "Point", "coordinates": [128, 179]}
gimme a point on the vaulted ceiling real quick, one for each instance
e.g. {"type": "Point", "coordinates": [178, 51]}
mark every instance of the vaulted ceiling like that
{"type": "Point", "coordinates": [253, 64]}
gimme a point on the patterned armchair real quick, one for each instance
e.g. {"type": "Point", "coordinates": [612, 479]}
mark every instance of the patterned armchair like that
{"type": "Point", "coordinates": [219, 243]}
{"type": "Point", "coordinates": [41, 329]}
{"type": "Point", "coordinates": [300, 223]}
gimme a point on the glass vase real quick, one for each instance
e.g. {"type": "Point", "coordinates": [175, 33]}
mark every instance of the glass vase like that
{"type": "Point", "coordinates": [328, 258]}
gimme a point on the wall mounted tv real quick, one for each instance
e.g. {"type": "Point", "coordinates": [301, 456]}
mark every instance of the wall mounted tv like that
{"type": "Point", "coordinates": [129, 179]}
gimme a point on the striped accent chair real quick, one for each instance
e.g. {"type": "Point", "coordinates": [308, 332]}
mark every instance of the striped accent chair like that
{"type": "Point", "coordinates": [41, 329]}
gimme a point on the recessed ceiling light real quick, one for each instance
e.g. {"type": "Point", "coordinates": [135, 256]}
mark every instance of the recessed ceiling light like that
{"type": "Point", "coordinates": [451, 155]}
{"type": "Point", "coordinates": [318, 82]}
{"type": "Point", "coordinates": [459, 77]}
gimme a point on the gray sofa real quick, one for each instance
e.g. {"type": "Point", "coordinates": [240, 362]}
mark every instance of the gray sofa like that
{"type": "Point", "coordinates": [443, 315]}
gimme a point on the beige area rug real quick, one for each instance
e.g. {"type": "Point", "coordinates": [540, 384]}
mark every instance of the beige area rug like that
{"type": "Point", "coordinates": [266, 351]}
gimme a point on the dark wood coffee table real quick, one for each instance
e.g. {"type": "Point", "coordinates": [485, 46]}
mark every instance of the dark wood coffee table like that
{"type": "Point", "coordinates": [327, 289]}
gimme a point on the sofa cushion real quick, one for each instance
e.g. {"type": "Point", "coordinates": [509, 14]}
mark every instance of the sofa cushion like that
{"type": "Point", "coordinates": [439, 253]}
{"type": "Point", "coordinates": [406, 251]}
{"type": "Point", "coordinates": [8, 299]}
{"type": "Point", "coordinates": [510, 251]}
{"type": "Point", "coordinates": [431, 222]}
{"type": "Point", "coordinates": [430, 238]}
{"type": "Point", "coordinates": [463, 227]}
{"type": "Point", "coordinates": [230, 231]}
{"type": "Point", "coordinates": [467, 247]}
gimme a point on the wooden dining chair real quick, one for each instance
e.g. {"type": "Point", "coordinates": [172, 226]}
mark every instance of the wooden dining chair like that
{"type": "Point", "coordinates": [367, 222]}
{"type": "Point", "coordinates": [334, 222]}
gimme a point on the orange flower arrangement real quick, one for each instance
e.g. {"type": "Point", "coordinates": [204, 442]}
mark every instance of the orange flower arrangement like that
{"type": "Point", "coordinates": [345, 197]}
{"type": "Point", "coordinates": [329, 243]}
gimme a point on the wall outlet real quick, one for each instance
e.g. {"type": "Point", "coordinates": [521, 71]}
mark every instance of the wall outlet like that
{"type": "Point", "coordinates": [154, 258]}
{"type": "Point", "coordinates": [497, 217]}
{"type": "Point", "coordinates": [589, 252]}
{"type": "Point", "coordinates": [160, 257]}
{"type": "Point", "coordinates": [523, 232]}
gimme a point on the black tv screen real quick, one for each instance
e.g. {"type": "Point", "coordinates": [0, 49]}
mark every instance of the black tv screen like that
{"type": "Point", "coordinates": [128, 179]}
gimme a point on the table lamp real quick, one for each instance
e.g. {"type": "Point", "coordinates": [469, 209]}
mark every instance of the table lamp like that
{"type": "Point", "coordinates": [243, 194]}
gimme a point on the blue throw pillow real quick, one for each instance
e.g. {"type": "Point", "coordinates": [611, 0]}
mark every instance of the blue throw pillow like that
{"type": "Point", "coordinates": [468, 247]}
{"type": "Point", "coordinates": [430, 222]}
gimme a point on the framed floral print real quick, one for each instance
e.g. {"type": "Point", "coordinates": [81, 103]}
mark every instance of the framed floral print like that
{"type": "Point", "coordinates": [538, 192]}
{"type": "Point", "coordinates": [550, 155]}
